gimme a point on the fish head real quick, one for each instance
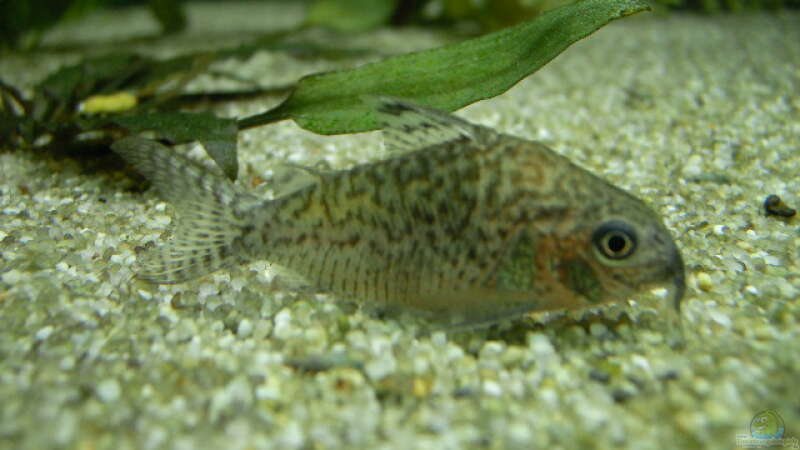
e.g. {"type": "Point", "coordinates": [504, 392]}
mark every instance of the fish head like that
{"type": "Point", "coordinates": [622, 248]}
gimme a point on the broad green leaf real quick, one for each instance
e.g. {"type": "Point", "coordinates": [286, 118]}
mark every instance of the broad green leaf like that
{"type": "Point", "coordinates": [216, 134]}
{"type": "Point", "coordinates": [446, 78]}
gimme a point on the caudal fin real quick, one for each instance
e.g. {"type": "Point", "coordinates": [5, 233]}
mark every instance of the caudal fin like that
{"type": "Point", "coordinates": [212, 214]}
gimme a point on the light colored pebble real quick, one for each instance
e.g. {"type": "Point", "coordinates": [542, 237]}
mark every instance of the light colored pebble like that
{"type": "Point", "coordinates": [108, 390]}
{"type": "Point", "coordinates": [704, 281]}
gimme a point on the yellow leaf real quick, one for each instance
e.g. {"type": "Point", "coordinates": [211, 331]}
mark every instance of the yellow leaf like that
{"type": "Point", "coordinates": [110, 103]}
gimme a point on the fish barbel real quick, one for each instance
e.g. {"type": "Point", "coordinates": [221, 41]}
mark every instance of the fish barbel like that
{"type": "Point", "coordinates": [460, 222]}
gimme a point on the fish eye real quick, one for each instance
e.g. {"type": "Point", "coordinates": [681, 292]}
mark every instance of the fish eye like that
{"type": "Point", "coordinates": [615, 239]}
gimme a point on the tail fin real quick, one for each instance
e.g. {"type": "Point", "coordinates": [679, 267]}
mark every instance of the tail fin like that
{"type": "Point", "coordinates": [212, 213]}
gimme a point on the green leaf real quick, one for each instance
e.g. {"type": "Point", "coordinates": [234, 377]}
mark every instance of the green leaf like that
{"type": "Point", "coordinates": [216, 134]}
{"type": "Point", "coordinates": [350, 15]}
{"type": "Point", "coordinates": [445, 78]}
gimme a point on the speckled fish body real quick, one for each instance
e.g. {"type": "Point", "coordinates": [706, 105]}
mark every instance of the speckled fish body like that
{"type": "Point", "coordinates": [460, 221]}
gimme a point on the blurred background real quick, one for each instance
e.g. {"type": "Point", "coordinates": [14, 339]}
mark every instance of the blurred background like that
{"type": "Point", "coordinates": [24, 23]}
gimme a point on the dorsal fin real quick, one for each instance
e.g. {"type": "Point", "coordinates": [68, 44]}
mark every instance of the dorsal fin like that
{"type": "Point", "coordinates": [289, 178]}
{"type": "Point", "coordinates": [408, 127]}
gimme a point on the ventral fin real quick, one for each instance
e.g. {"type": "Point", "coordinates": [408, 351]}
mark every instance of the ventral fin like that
{"type": "Point", "coordinates": [408, 127]}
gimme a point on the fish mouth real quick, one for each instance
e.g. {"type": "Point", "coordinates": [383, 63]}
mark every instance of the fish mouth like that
{"type": "Point", "coordinates": [677, 272]}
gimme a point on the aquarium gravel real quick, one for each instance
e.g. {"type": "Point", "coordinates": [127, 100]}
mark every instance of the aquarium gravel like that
{"type": "Point", "coordinates": [697, 115]}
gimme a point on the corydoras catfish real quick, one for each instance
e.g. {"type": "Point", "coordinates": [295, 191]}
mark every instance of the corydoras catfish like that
{"type": "Point", "coordinates": [460, 222]}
